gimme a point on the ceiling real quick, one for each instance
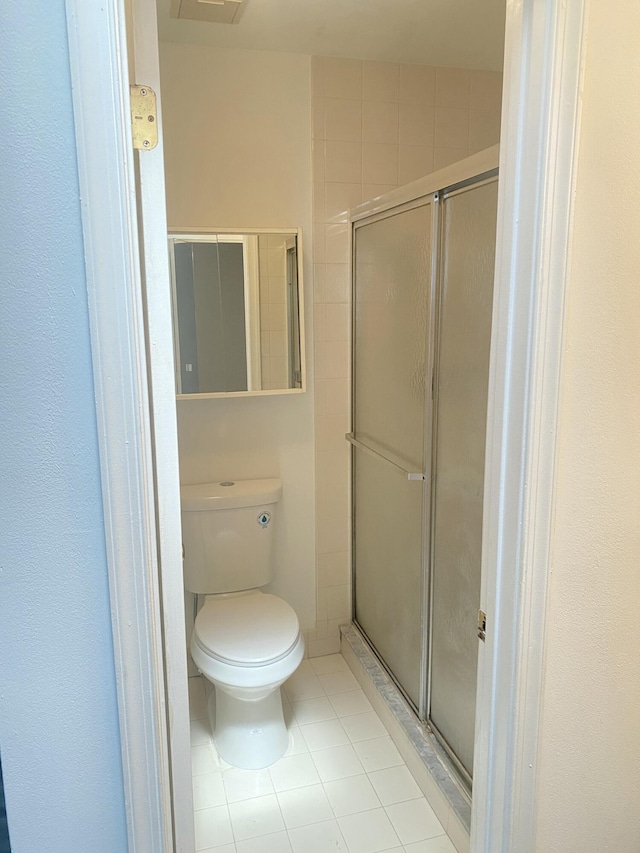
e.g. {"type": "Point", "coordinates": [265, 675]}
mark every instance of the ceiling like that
{"type": "Point", "coordinates": [460, 33]}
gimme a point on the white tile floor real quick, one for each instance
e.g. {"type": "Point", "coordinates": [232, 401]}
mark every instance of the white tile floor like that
{"type": "Point", "coordinates": [342, 786]}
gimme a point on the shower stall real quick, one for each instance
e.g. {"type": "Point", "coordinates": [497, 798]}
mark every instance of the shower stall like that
{"type": "Point", "coordinates": [423, 268]}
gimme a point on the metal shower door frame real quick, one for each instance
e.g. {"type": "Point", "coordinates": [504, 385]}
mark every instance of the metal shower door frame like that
{"type": "Point", "coordinates": [447, 193]}
{"type": "Point", "coordinates": [459, 177]}
{"type": "Point", "coordinates": [395, 210]}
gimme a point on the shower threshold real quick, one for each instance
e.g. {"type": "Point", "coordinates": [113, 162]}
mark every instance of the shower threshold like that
{"type": "Point", "coordinates": [424, 756]}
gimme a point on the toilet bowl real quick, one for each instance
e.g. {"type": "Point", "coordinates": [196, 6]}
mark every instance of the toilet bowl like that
{"type": "Point", "coordinates": [247, 645]}
{"type": "Point", "coordinates": [245, 642]}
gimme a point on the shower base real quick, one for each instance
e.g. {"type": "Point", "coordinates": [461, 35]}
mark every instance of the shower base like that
{"type": "Point", "coordinates": [424, 757]}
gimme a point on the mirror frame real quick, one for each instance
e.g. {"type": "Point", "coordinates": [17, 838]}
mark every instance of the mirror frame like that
{"type": "Point", "coordinates": [200, 233]}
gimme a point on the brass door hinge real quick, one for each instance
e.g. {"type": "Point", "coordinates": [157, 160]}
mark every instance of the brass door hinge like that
{"type": "Point", "coordinates": [144, 117]}
{"type": "Point", "coordinates": [482, 625]}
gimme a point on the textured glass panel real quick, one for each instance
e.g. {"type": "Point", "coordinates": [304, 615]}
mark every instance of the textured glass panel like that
{"type": "Point", "coordinates": [388, 565]}
{"type": "Point", "coordinates": [467, 269]}
{"type": "Point", "coordinates": [392, 287]}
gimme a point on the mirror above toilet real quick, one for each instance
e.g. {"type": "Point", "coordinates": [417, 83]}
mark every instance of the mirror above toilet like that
{"type": "Point", "coordinates": [237, 312]}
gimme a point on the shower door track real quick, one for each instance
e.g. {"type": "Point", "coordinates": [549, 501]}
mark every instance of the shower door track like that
{"type": "Point", "coordinates": [449, 758]}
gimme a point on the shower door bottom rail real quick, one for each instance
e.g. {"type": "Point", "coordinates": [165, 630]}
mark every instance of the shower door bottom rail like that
{"type": "Point", "coordinates": [355, 442]}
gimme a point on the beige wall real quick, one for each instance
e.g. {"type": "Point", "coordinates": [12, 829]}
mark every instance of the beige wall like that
{"type": "Point", "coordinates": [589, 771]}
{"type": "Point", "coordinates": [237, 137]}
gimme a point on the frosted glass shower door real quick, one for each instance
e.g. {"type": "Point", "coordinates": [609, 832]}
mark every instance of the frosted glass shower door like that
{"type": "Point", "coordinates": [392, 298]}
{"type": "Point", "coordinates": [466, 270]}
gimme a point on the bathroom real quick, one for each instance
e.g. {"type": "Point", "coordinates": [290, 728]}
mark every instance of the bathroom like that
{"type": "Point", "coordinates": [269, 139]}
{"type": "Point", "coordinates": [79, 631]}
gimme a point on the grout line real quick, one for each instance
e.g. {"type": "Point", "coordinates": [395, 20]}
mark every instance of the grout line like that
{"type": "Point", "coordinates": [323, 784]}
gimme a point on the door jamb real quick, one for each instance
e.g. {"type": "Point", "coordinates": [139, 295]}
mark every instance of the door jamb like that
{"type": "Point", "coordinates": [544, 60]}
{"type": "Point", "coordinates": [544, 56]}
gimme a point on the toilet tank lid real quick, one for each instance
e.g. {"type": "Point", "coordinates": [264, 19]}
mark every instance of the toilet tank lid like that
{"type": "Point", "coordinates": [229, 494]}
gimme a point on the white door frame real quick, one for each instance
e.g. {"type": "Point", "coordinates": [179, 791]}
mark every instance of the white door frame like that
{"type": "Point", "coordinates": [134, 382]}
{"type": "Point", "coordinates": [136, 410]}
{"type": "Point", "coordinates": [538, 159]}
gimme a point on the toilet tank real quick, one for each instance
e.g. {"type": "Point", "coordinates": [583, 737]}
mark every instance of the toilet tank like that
{"type": "Point", "coordinates": [227, 534]}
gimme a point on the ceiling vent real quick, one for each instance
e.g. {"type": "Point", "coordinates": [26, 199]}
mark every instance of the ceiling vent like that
{"type": "Point", "coordinates": [213, 11]}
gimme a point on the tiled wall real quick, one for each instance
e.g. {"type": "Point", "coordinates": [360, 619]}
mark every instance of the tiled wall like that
{"type": "Point", "coordinates": [375, 126]}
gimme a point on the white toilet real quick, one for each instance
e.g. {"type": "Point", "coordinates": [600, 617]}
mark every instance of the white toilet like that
{"type": "Point", "coordinates": [246, 642]}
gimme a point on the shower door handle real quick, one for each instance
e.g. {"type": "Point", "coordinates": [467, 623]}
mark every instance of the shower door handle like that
{"type": "Point", "coordinates": [410, 475]}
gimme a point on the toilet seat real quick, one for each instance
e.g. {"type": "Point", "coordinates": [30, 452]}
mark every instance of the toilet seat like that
{"type": "Point", "coordinates": [247, 629]}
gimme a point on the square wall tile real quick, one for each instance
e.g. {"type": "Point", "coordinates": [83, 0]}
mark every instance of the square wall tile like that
{"type": "Point", "coordinates": [343, 161]}
{"type": "Point", "coordinates": [380, 121]}
{"type": "Point", "coordinates": [317, 152]}
{"type": "Point", "coordinates": [453, 87]}
{"type": "Point", "coordinates": [379, 163]}
{"type": "Point", "coordinates": [414, 161]}
{"type": "Point", "coordinates": [445, 156]}
{"type": "Point", "coordinates": [343, 119]}
{"type": "Point", "coordinates": [333, 569]}
{"type": "Point", "coordinates": [336, 244]}
{"type": "Point", "coordinates": [317, 122]}
{"type": "Point", "coordinates": [333, 535]}
{"type": "Point", "coordinates": [380, 81]}
{"type": "Point", "coordinates": [417, 84]}
{"type": "Point", "coordinates": [330, 432]}
{"type": "Point", "coordinates": [339, 602]}
{"type": "Point", "coordinates": [484, 128]}
{"type": "Point", "coordinates": [319, 244]}
{"type": "Point", "coordinates": [319, 327]}
{"type": "Point", "coordinates": [337, 280]}
{"type": "Point", "coordinates": [451, 128]}
{"type": "Point", "coordinates": [318, 210]}
{"type": "Point", "coordinates": [342, 78]}
{"type": "Point", "coordinates": [332, 359]}
{"type": "Point", "coordinates": [486, 91]}
{"type": "Point", "coordinates": [416, 125]}
{"type": "Point", "coordinates": [332, 397]}
{"type": "Point", "coordinates": [371, 191]}
{"type": "Point", "coordinates": [339, 199]}
{"type": "Point", "coordinates": [319, 275]}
